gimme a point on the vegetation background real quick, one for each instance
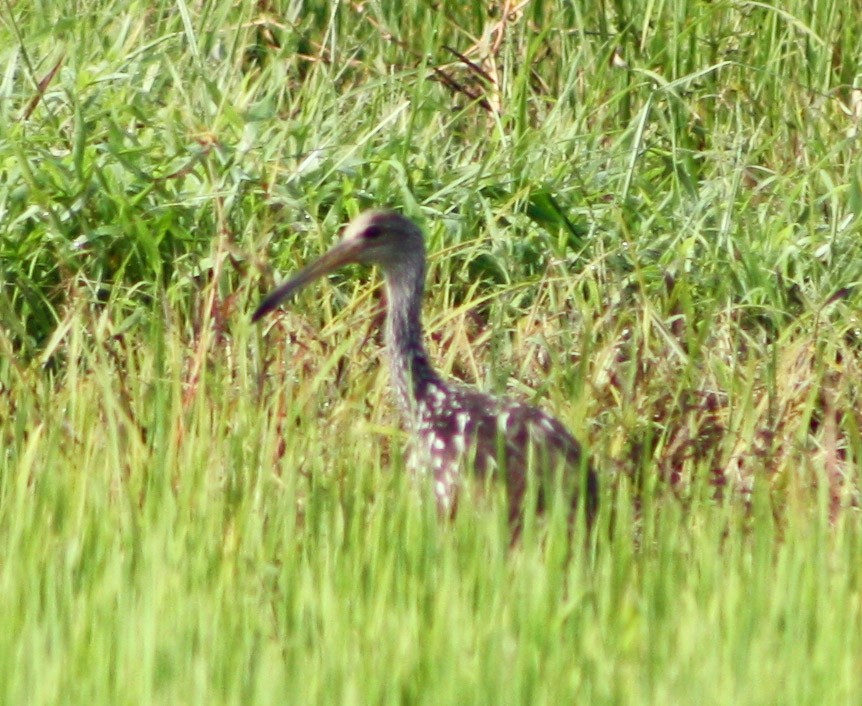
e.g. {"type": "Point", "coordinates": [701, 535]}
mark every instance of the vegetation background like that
{"type": "Point", "coordinates": [643, 216]}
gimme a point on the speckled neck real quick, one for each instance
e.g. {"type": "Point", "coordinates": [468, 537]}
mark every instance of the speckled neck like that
{"type": "Point", "coordinates": [408, 360]}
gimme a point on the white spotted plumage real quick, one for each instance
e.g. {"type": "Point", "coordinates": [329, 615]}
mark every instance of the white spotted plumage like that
{"type": "Point", "coordinates": [452, 428]}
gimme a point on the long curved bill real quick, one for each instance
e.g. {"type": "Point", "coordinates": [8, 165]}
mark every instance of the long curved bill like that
{"type": "Point", "coordinates": [339, 255]}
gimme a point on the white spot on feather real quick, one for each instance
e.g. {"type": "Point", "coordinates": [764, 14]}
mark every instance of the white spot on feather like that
{"type": "Point", "coordinates": [461, 420]}
{"type": "Point", "coordinates": [548, 424]}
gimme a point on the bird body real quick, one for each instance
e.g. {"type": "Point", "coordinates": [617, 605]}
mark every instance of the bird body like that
{"type": "Point", "coordinates": [452, 428]}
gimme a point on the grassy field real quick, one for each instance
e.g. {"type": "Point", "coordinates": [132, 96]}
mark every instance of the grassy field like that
{"type": "Point", "coordinates": [644, 217]}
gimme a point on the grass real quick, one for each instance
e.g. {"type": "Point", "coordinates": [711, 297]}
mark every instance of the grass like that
{"type": "Point", "coordinates": [644, 218]}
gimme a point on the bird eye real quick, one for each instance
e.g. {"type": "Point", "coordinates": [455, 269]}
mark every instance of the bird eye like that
{"type": "Point", "coordinates": [372, 232]}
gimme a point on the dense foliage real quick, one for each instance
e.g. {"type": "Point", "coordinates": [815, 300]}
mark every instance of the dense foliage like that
{"type": "Point", "coordinates": [644, 216]}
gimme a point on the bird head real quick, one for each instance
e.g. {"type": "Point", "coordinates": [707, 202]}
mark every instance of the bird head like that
{"type": "Point", "coordinates": [383, 238]}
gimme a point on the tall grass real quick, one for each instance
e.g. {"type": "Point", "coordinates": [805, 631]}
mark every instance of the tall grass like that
{"type": "Point", "coordinates": [642, 217]}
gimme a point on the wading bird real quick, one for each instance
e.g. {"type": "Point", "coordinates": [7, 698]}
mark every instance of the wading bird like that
{"type": "Point", "coordinates": [453, 429]}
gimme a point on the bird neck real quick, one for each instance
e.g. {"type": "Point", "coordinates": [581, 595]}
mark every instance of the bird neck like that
{"type": "Point", "coordinates": [410, 368]}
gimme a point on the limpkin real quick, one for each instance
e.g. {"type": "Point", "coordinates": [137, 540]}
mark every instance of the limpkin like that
{"type": "Point", "coordinates": [452, 428]}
